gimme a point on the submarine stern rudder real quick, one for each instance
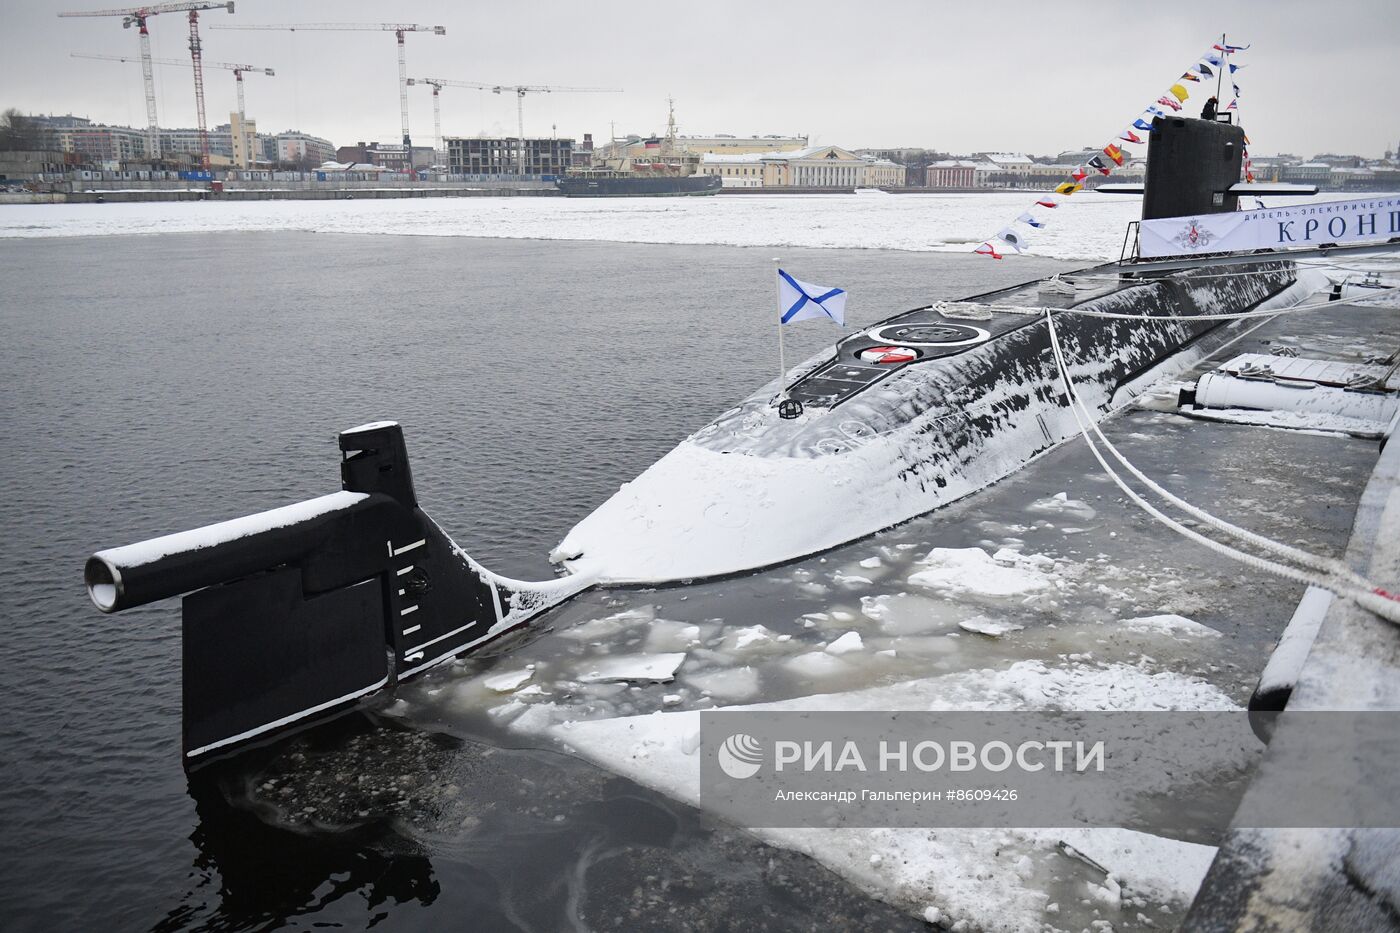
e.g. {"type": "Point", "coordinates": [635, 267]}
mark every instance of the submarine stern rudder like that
{"type": "Point", "coordinates": [298, 611]}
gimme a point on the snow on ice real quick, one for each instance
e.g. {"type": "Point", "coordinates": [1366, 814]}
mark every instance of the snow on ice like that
{"type": "Point", "coordinates": [972, 570]}
{"type": "Point", "coordinates": [989, 877]}
{"type": "Point", "coordinates": [1085, 228]}
{"type": "Point", "coordinates": [653, 668]}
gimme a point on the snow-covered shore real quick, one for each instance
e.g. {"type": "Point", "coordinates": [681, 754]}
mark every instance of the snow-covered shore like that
{"type": "Point", "coordinates": [1089, 227]}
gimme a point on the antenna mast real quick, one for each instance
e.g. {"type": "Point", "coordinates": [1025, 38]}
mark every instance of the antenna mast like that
{"type": "Point", "coordinates": [1220, 72]}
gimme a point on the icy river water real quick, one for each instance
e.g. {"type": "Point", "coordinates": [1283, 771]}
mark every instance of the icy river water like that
{"type": "Point", "coordinates": [152, 383]}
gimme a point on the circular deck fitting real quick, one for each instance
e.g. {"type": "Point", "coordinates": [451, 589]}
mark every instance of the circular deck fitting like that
{"type": "Point", "coordinates": [889, 355]}
{"type": "Point", "coordinates": [789, 408]}
{"type": "Point", "coordinates": [931, 334]}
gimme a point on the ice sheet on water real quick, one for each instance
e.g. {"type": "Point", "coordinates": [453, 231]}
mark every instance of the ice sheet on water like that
{"type": "Point", "coordinates": [1091, 228]}
{"type": "Point", "coordinates": [750, 639]}
{"type": "Point", "coordinates": [913, 613]}
{"type": "Point", "coordinates": [1171, 624]}
{"type": "Point", "coordinates": [990, 878]}
{"type": "Point", "coordinates": [1061, 504]}
{"type": "Point", "coordinates": [508, 711]}
{"type": "Point", "coordinates": [1156, 867]}
{"type": "Point", "coordinates": [1011, 556]}
{"type": "Point", "coordinates": [668, 635]}
{"type": "Point", "coordinates": [508, 681]}
{"type": "Point", "coordinates": [651, 668]}
{"type": "Point", "coordinates": [848, 643]}
{"type": "Point", "coordinates": [608, 627]}
{"type": "Point", "coordinates": [816, 665]}
{"type": "Point", "coordinates": [993, 628]}
{"type": "Point", "coordinates": [917, 646]}
{"type": "Point", "coordinates": [733, 684]}
{"type": "Point", "coordinates": [972, 570]}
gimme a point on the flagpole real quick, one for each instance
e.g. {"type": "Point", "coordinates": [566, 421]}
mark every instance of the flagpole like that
{"type": "Point", "coordinates": [1220, 72]}
{"type": "Point", "coordinates": [782, 361]}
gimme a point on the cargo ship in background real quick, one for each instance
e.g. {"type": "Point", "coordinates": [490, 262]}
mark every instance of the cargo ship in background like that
{"type": "Point", "coordinates": [661, 172]}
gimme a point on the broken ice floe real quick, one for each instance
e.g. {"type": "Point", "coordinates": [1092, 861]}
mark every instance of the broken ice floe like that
{"type": "Point", "coordinates": [989, 878]}
{"type": "Point", "coordinates": [509, 681]}
{"type": "Point", "coordinates": [736, 683]}
{"type": "Point", "coordinates": [993, 628]}
{"type": "Point", "coordinates": [815, 665]}
{"type": "Point", "coordinates": [1061, 504]}
{"type": "Point", "coordinates": [913, 613]}
{"type": "Point", "coordinates": [609, 627]}
{"type": "Point", "coordinates": [650, 668]}
{"type": "Point", "coordinates": [749, 639]}
{"type": "Point", "coordinates": [846, 644]}
{"type": "Point", "coordinates": [665, 635]}
{"type": "Point", "coordinates": [972, 570]}
{"type": "Point", "coordinates": [1171, 624]}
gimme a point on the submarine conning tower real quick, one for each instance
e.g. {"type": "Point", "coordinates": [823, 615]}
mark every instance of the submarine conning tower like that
{"type": "Point", "coordinates": [1191, 166]}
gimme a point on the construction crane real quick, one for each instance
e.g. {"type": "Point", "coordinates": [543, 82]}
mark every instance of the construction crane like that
{"type": "Point", "coordinates": [398, 29]}
{"type": "Point", "coordinates": [238, 72]}
{"type": "Point", "coordinates": [437, 86]}
{"type": "Point", "coordinates": [137, 16]}
{"type": "Point", "coordinates": [519, 90]}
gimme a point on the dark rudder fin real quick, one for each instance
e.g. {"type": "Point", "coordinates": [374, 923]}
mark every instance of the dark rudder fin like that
{"type": "Point", "coordinates": [304, 609]}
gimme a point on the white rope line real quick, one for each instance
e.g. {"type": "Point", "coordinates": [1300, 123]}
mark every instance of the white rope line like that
{"type": "Point", "coordinates": [978, 409]}
{"type": "Point", "coordinates": [1311, 262]}
{"type": "Point", "coordinates": [1128, 270]}
{"type": "Point", "coordinates": [1235, 316]}
{"type": "Point", "coordinates": [1363, 593]}
{"type": "Point", "coordinates": [1324, 564]}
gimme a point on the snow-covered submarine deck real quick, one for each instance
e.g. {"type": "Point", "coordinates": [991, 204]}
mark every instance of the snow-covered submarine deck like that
{"type": "Point", "coordinates": [878, 444]}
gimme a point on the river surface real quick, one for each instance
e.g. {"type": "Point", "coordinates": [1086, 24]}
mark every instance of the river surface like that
{"type": "Point", "coordinates": [153, 383]}
{"type": "Point", "coordinates": [156, 383]}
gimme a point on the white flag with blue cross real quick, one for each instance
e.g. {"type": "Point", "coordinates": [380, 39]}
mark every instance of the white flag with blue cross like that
{"type": "Point", "coordinates": [800, 301]}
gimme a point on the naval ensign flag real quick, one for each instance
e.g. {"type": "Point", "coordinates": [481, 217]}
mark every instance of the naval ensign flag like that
{"type": "Point", "coordinates": [800, 301]}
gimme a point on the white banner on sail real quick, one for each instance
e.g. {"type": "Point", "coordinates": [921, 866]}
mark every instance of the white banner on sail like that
{"type": "Point", "coordinates": [1272, 228]}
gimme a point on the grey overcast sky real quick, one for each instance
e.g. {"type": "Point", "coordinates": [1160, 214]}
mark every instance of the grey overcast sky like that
{"type": "Point", "coordinates": [956, 76]}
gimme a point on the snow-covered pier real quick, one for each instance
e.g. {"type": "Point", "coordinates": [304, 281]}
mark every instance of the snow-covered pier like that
{"type": "Point", "coordinates": [1312, 878]}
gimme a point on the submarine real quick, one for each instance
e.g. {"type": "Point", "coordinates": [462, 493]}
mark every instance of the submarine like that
{"type": "Point", "coordinates": [299, 612]}
{"type": "Point", "coordinates": [931, 405]}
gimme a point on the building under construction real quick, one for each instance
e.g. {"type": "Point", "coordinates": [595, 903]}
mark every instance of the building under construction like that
{"type": "Point", "coordinates": [473, 156]}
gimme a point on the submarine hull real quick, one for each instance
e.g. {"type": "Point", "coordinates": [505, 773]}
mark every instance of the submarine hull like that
{"type": "Point", "coordinates": [879, 444]}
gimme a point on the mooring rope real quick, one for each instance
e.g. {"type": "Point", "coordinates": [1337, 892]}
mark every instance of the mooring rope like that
{"type": "Point", "coordinates": [1335, 577]}
{"type": "Point", "coordinates": [1233, 316]}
